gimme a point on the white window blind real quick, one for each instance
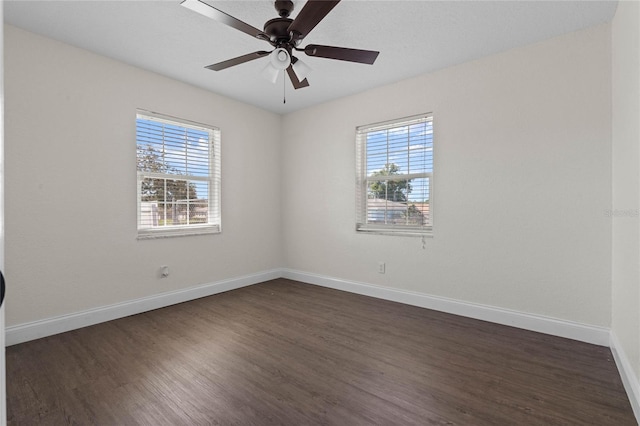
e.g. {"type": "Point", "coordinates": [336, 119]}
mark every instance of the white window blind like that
{"type": "Point", "coordinates": [394, 176]}
{"type": "Point", "coordinates": [178, 165]}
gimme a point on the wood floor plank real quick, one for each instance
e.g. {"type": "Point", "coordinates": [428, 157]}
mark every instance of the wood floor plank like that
{"type": "Point", "coordinates": [287, 353]}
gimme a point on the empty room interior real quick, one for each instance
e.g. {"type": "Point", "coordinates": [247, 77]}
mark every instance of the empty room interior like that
{"type": "Point", "coordinates": [327, 212]}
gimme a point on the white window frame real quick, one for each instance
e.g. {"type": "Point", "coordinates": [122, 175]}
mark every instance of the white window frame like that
{"type": "Point", "coordinates": [214, 219]}
{"type": "Point", "coordinates": [363, 181]}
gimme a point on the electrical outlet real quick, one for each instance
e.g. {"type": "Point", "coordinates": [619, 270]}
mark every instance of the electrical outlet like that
{"type": "Point", "coordinates": [164, 271]}
{"type": "Point", "coordinates": [381, 267]}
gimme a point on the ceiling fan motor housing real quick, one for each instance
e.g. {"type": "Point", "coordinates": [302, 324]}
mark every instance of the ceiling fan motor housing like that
{"type": "Point", "coordinates": [278, 30]}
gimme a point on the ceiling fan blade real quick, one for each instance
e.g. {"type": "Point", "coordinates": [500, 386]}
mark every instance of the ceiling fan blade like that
{"type": "Point", "coordinates": [218, 15]}
{"type": "Point", "coordinates": [311, 14]}
{"type": "Point", "coordinates": [342, 53]}
{"type": "Point", "coordinates": [297, 84]}
{"type": "Point", "coordinates": [237, 61]}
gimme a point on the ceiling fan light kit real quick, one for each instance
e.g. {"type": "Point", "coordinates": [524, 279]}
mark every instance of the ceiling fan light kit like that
{"type": "Point", "coordinates": [280, 59]}
{"type": "Point", "coordinates": [270, 73]}
{"type": "Point", "coordinates": [285, 35]}
{"type": "Point", "coordinates": [301, 69]}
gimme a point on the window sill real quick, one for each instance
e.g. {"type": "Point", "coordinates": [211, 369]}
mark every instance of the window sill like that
{"type": "Point", "coordinates": [427, 232]}
{"type": "Point", "coordinates": [151, 234]}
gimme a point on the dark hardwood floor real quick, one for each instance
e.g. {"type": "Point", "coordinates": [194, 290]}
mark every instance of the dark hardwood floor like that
{"type": "Point", "coordinates": [286, 353]}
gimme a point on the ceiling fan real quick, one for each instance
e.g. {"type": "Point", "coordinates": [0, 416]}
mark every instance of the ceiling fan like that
{"type": "Point", "coordinates": [285, 35]}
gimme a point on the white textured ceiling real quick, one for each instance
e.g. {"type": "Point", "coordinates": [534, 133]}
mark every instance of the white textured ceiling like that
{"type": "Point", "coordinates": [413, 37]}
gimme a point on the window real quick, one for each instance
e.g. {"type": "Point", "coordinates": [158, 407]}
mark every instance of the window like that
{"type": "Point", "coordinates": [178, 164]}
{"type": "Point", "coordinates": [394, 166]}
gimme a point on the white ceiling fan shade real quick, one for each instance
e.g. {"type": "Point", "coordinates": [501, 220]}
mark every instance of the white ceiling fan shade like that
{"type": "Point", "coordinates": [301, 69]}
{"type": "Point", "coordinates": [280, 59]}
{"type": "Point", "coordinates": [270, 73]}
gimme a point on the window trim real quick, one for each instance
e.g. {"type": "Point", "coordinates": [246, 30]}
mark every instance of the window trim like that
{"type": "Point", "coordinates": [214, 225]}
{"type": "Point", "coordinates": [362, 181]}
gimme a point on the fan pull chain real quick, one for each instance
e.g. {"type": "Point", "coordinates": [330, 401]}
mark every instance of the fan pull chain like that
{"type": "Point", "coordinates": [284, 85]}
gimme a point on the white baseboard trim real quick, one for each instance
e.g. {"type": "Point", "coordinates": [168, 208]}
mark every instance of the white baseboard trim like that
{"type": "Point", "coordinates": [50, 326]}
{"type": "Point", "coordinates": [538, 323]}
{"type": "Point", "coordinates": [629, 378]}
{"type": "Point", "coordinates": [47, 327]}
